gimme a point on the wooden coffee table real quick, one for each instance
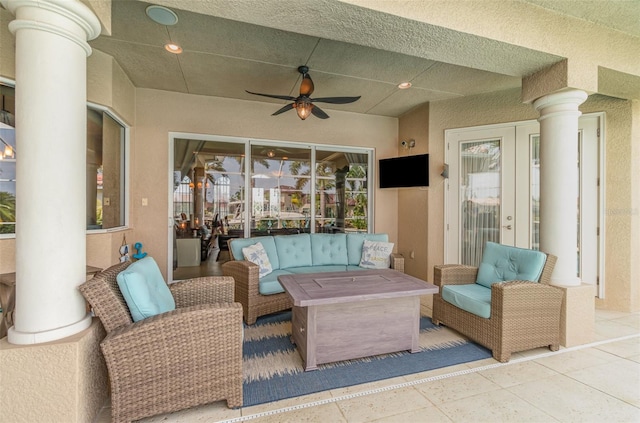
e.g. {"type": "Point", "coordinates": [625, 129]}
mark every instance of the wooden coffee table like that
{"type": "Point", "coordinates": [345, 315]}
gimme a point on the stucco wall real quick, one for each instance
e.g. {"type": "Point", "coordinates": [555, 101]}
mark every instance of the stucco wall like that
{"type": "Point", "coordinates": [413, 203]}
{"type": "Point", "coordinates": [161, 112]}
{"type": "Point", "coordinates": [61, 381]}
{"type": "Point", "coordinates": [621, 229]}
{"type": "Point", "coordinates": [621, 201]}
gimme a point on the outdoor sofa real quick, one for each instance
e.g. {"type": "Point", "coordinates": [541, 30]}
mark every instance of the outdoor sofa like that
{"type": "Point", "coordinates": [290, 254]}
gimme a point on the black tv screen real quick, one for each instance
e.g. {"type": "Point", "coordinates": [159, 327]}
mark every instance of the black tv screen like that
{"type": "Point", "coordinates": [404, 172]}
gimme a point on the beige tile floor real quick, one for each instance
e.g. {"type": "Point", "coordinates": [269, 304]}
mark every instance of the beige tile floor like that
{"type": "Point", "coordinates": [599, 382]}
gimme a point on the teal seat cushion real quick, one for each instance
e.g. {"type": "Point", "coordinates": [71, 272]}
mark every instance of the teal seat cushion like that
{"type": "Point", "coordinates": [354, 245]}
{"type": "Point", "coordinates": [294, 250]}
{"type": "Point", "coordinates": [351, 268]}
{"type": "Point", "coordinates": [317, 269]}
{"type": "Point", "coordinates": [502, 263]}
{"type": "Point", "coordinates": [472, 297]}
{"type": "Point", "coordinates": [269, 284]}
{"type": "Point", "coordinates": [329, 249]}
{"type": "Point", "coordinates": [267, 242]}
{"type": "Point", "coordinates": [144, 289]}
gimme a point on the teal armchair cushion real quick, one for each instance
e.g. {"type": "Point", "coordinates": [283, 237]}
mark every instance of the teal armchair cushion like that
{"type": "Point", "coordinates": [294, 250]}
{"type": "Point", "coordinates": [502, 263]}
{"type": "Point", "coordinates": [268, 285]}
{"type": "Point", "coordinates": [354, 245]}
{"type": "Point", "coordinates": [473, 298]}
{"type": "Point", "coordinates": [329, 249]}
{"type": "Point", "coordinates": [144, 289]}
{"type": "Point", "coordinates": [267, 242]}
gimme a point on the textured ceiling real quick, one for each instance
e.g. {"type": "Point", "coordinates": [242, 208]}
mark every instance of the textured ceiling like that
{"type": "Point", "coordinates": [224, 57]}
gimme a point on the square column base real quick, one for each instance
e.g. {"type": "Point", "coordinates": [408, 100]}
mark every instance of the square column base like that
{"type": "Point", "coordinates": [61, 381]}
{"type": "Point", "coordinates": [578, 315]}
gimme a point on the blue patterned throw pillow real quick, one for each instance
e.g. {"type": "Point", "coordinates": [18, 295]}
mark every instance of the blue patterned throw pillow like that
{"type": "Point", "coordinates": [376, 255]}
{"type": "Point", "coordinates": [256, 254]}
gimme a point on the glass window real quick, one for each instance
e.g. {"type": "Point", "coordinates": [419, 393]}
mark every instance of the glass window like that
{"type": "Point", "coordinates": [278, 197]}
{"type": "Point", "coordinates": [280, 189]}
{"type": "Point", "coordinates": [7, 161]}
{"type": "Point", "coordinates": [105, 175]}
{"type": "Point", "coordinates": [105, 171]}
{"type": "Point", "coordinates": [341, 191]}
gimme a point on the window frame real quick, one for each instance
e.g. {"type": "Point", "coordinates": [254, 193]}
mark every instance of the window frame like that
{"type": "Point", "coordinates": [125, 163]}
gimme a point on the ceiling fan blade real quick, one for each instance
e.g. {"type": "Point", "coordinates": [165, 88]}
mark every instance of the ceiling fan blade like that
{"type": "Point", "coordinates": [306, 86]}
{"type": "Point", "coordinates": [318, 112]}
{"type": "Point", "coordinates": [335, 100]}
{"type": "Point", "coordinates": [284, 109]}
{"type": "Point", "coordinates": [282, 97]}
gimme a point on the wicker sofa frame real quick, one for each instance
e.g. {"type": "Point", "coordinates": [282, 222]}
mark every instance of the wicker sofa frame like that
{"type": "Point", "coordinates": [176, 360]}
{"type": "Point", "coordinates": [254, 304]}
{"type": "Point", "coordinates": [524, 314]}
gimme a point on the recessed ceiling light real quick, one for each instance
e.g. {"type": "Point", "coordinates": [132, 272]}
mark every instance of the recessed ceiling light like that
{"type": "Point", "coordinates": [173, 48]}
{"type": "Point", "coordinates": [404, 85]}
{"type": "Point", "coordinates": [161, 15]}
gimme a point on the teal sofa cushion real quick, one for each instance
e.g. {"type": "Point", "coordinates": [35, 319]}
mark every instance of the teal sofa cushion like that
{"type": "Point", "coordinates": [269, 284]}
{"type": "Point", "coordinates": [144, 289]}
{"type": "Point", "coordinates": [318, 269]}
{"type": "Point", "coordinates": [294, 250]}
{"type": "Point", "coordinates": [472, 297]}
{"type": "Point", "coordinates": [329, 249]}
{"type": "Point", "coordinates": [351, 268]}
{"type": "Point", "coordinates": [267, 242]}
{"type": "Point", "coordinates": [502, 263]}
{"type": "Point", "coordinates": [354, 245]}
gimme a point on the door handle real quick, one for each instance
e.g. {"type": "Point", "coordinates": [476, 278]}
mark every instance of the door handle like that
{"type": "Point", "coordinates": [507, 227]}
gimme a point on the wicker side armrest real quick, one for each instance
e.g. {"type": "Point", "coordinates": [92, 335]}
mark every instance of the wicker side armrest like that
{"type": "Point", "coordinates": [246, 277]}
{"type": "Point", "coordinates": [203, 290]}
{"type": "Point", "coordinates": [397, 262]}
{"type": "Point", "coordinates": [454, 274]}
{"type": "Point", "coordinates": [168, 362]}
{"type": "Point", "coordinates": [525, 299]}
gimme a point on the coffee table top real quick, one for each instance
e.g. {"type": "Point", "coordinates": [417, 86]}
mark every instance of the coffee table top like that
{"type": "Point", "coordinates": [340, 287]}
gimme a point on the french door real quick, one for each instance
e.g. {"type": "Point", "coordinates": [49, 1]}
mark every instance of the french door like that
{"type": "Point", "coordinates": [493, 191]}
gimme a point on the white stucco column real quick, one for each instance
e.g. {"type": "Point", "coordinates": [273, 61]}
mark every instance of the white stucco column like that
{"type": "Point", "coordinates": [51, 101]}
{"type": "Point", "coordinates": [559, 181]}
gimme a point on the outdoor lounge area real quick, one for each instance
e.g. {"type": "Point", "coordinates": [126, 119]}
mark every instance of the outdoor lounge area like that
{"type": "Point", "coordinates": [169, 132]}
{"type": "Point", "coordinates": [591, 383]}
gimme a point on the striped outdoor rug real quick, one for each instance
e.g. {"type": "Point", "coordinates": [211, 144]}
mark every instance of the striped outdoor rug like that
{"type": "Point", "coordinates": [273, 367]}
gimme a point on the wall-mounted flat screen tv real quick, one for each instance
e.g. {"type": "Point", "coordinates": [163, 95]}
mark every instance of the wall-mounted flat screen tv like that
{"type": "Point", "coordinates": [404, 172]}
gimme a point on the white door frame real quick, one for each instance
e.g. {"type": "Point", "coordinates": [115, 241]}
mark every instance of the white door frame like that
{"type": "Point", "coordinates": [592, 188]}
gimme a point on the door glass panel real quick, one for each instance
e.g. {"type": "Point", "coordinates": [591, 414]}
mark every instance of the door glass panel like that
{"type": "Point", "coordinates": [341, 192]}
{"type": "Point", "coordinates": [480, 187]}
{"type": "Point", "coordinates": [280, 189]}
{"type": "Point", "coordinates": [535, 193]}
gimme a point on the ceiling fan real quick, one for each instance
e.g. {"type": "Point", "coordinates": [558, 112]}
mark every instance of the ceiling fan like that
{"type": "Point", "coordinates": [304, 103]}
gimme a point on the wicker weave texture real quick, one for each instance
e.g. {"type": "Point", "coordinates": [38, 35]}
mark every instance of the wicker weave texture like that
{"type": "Point", "coordinates": [103, 294]}
{"type": "Point", "coordinates": [524, 314]}
{"type": "Point", "coordinates": [245, 275]}
{"type": "Point", "coordinates": [176, 360]}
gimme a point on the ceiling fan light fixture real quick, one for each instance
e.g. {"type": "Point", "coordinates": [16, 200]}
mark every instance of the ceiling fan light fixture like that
{"type": "Point", "coordinates": [303, 108]}
{"type": "Point", "coordinates": [173, 48]}
{"type": "Point", "coordinates": [271, 154]}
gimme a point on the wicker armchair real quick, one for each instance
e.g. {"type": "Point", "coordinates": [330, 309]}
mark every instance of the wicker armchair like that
{"type": "Point", "coordinates": [524, 314]}
{"type": "Point", "coordinates": [172, 361]}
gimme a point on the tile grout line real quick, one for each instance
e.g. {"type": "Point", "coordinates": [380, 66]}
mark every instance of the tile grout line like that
{"type": "Point", "coordinates": [424, 380]}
